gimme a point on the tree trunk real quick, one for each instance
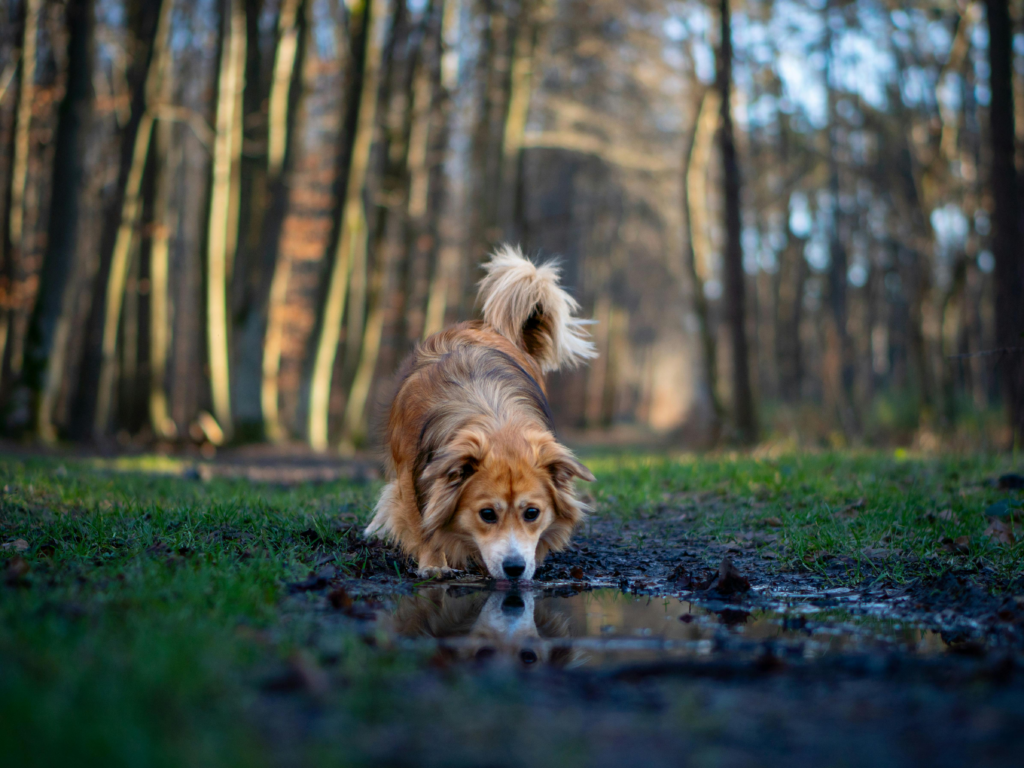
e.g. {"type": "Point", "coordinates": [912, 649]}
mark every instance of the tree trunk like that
{"type": "Point", "coordinates": [284, 96]}
{"type": "Point", "coordinates": [120, 261]}
{"type": "Point", "coordinates": [351, 244]}
{"type": "Point", "coordinates": [223, 222]}
{"type": "Point", "coordinates": [160, 331]}
{"type": "Point", "coordinates": [520, 90]}
{"type": "Point", "coordinates": [19, 174]}
{"type": "Point", "coordinates": [839, 354]}
{"type": "Point", "coordinates": [446, 264]}
{"type": "Point", "coordinates": [789, 310]}
{"type": "Point", "coordinates": [1007, 227]}
{"type": "Point", "coordinates": [696, 246]}
{"type": "Point", "coordinates": [59, 258]}
{"type": "Point", "coordinates": [743, 399]}
{"type": "Point", "coordinates": [421, 211]}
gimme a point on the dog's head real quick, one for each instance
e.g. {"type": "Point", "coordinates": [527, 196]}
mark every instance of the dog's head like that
{"type": "Point", "coordinates": [503, 496]}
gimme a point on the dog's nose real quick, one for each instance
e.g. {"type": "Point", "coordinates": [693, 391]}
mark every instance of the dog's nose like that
{"type": "Point", "coordinates": [514, 567]}
{"type": "Point", "coordinates": [513, 604]}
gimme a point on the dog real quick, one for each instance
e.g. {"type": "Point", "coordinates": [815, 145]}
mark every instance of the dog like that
{"type": "Point", "coordinates": [484, 625]}
{"type": "Point", "coordinates": [473, 467]}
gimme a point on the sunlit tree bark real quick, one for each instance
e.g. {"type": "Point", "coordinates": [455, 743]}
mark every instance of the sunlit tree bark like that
{"type": "Point", "coordinates": [223, 221]}
{"type": "Point", "coordinates": [130, 209]}
{"type": "Point", "coordinates": [19, 169]}
{"type": "Point", "coordinates": [159, 276]}
{"type": "Point", "coordinates": [351, 246]}
{"type": "Point", "coordinates": [286, 74]}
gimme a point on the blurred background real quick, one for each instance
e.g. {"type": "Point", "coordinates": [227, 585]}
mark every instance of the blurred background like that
{"type": "Point", "coordinates": [227, 221]}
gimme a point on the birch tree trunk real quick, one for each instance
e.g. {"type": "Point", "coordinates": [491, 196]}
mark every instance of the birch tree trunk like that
{"type": "Point", "coordinates": [351, 246]}
{"type": "Point", "coordinates": [130, 208]}
{"type": "Point", "coordinates": [222, 231]}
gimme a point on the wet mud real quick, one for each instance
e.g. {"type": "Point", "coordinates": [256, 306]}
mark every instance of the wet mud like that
{"type": "Point", "coordinates": [643, 644]}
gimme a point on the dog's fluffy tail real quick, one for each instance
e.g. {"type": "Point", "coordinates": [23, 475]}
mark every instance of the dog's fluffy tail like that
{"type": "Point", "coordinates": [524, 303]}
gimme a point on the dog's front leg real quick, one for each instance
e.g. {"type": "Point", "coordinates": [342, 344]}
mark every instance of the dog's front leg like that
{"type": "Point", "coordinates": [432, 563]}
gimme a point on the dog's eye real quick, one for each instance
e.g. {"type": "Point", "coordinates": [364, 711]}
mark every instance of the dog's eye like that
{"type": "Point", "coordinates": [488, 515]}
{"type": "Point", "coordinates": [528, 657]}
{"type": "Point", "coordinates": [531, 513]}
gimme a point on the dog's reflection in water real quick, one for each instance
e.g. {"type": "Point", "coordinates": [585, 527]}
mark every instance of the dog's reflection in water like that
{"type": "Point", "coordinates": [509, 627]}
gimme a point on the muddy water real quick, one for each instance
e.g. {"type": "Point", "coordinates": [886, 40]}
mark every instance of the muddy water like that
{"type": "Point", "coordinates": [606, 627]}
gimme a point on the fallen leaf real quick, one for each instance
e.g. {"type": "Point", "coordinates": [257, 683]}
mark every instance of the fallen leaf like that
{"type": "Point", "coordinates": [773, 522]}
{"type": "Point", "coordinates": [18, 545]}
{"type": "Point", "coordinates": [576, 573]}
{"type": "Point", "coordinates": [340, 598]}
{"type": "Point", "coordinates": [17, 569]}
{"type": "Point", "coordinates": [818, 554]}
{"type": "Point", "coordinates": [961, 545]}
{"type": "Point", "coordinates": [1000, 532]}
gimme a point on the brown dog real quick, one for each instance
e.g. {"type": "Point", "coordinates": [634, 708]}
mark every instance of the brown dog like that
{"type": "Point", "coordinates": [474, 470]}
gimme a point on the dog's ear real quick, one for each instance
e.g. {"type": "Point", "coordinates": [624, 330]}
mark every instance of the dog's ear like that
{"type": "Point", "coordinates": [446, 476]}
{"type": "Point", "coordinates": [563, 467]}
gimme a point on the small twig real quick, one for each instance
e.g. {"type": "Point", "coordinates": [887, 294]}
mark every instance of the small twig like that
{"type": "Point", "coordinates": [985, 353]}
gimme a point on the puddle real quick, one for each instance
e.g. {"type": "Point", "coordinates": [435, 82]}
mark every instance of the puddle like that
{"type": "Point", "coordinates": [606, 627]}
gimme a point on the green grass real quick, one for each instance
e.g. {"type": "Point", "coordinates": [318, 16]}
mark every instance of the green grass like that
{"type": "Point", "coordinates": [829, 505]}
{"type": "Point", "coordinates": [154, 606]}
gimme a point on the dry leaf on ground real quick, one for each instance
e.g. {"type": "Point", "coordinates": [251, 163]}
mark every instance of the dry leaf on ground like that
{"type": "Point", "coordinates": [999, 532]}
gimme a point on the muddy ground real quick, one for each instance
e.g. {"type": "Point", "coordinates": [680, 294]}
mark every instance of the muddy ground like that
{"type": "Point", "coordinates": [740, 701]}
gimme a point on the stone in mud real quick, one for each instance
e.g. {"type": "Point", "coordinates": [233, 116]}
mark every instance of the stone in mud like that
{"type": "Point", "coordinates": [729, 580]}
{"type": "Point", "coordinates": [684, 579]}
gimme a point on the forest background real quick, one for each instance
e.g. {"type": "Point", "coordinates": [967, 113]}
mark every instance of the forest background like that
{"type": "Point", "coordinates": [227, 221]}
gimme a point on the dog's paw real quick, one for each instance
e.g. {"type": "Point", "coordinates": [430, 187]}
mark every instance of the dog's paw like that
{"type": "Point", "coordinates": [435, 572]}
